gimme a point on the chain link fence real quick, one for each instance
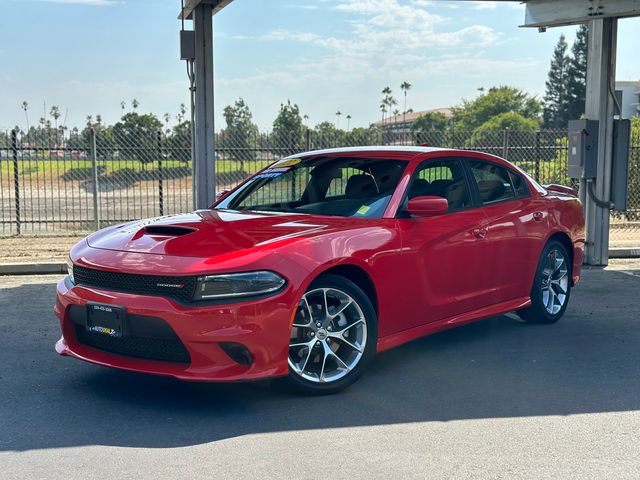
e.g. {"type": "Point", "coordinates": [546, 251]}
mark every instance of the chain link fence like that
{"type": "Point", "coordinates": [53, 183]}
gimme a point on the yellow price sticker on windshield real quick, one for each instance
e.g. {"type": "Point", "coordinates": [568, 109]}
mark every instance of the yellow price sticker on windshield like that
{"type": "Point", "coordinates": [363, 210]}
{"type": "Point", "coordinates": [287, 163]}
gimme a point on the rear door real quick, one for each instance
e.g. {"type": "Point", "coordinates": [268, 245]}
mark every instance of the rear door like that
{"type": "Point", "coordinates": [444, 261]}
{"type": "Point", "coordinates": [515, 229]}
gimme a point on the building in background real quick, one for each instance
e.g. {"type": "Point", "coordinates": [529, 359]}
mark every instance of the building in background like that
{"type": "Point", "coordinates": [401, 124]}
{"type": "Point", "coordinates": [630, 98]}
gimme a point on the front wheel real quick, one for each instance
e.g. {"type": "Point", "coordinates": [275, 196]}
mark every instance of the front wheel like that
{"type": "Point", "coordinates": [551, 286]}
{"type": "Point", "coordinates": [333, 336]}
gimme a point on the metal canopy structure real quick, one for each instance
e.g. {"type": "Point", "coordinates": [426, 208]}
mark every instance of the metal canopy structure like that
{"type": "Point", "coordinates": [551, 13]}
{"type": "Point", "coordinates": [201, 12]}
{"type": "Point", "coordinates": [602, 16]}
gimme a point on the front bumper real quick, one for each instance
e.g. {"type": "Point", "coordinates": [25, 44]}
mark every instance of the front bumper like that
{"type": "Point", "coordinates": [262, 326]}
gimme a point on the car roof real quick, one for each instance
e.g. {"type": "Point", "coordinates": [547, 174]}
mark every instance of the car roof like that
{"type": "Point", "coordinates": [397, 149]}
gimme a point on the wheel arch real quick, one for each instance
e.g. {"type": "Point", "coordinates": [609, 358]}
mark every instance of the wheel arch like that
{"type": "Point", "coordinates": [566, 242]}
{"type": "Point", "coordinates": [357, 275]}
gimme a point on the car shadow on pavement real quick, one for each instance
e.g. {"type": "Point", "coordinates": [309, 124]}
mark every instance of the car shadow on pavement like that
{"type": "Point", "coordinates": [586, 363]}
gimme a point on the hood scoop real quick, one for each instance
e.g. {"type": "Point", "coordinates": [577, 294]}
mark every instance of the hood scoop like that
{"type": "Point", "coordinates": [168, 230]}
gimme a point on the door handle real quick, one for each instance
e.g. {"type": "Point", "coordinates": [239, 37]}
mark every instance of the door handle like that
{"type": "Point", "coordinates": [538, 216]}
{"type": "Point", "coordinates": [480, 232]}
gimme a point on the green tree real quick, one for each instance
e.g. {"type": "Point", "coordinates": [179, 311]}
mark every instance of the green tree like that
{"type": "Point", "coordinates": [137, 136]}
{"type": "Point", "coordinates": [405, 87]}
{"type": "Point", "coordinates": [556, 99]}
{"type": "Point", "coordinates": [105, 141]}
{"type": "Point", "coordinates": [363, 136]}
{"type": "Point", "coordinates": [287, 130]}
{"type": "Point", "coordinates": [473, 113]}
{"type": "Point", "coordinates": [577, 74]}
{"type": "Point", "coordinates": [429, 122]}
{"type": "Point", "coordinates": [326, 135]}
{"type": "Point", "coordinates": [178, 142]}
{"type": "Point", "coordinates": [491, 131]}
{"type": "Point", "coordinates": [239, 138]}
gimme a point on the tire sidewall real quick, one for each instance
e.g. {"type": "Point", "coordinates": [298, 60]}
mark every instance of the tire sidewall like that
{"type": "Point", "coordinates": [341, 283]}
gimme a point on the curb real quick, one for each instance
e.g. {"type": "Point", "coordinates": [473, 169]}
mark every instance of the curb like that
{"type": "Point", "coordinates": [624, 253]}
{"type": "Point", "coordinates": [33, 268]}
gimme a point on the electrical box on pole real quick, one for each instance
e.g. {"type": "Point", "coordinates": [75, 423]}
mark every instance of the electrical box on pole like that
{"type": "Point", "coordinates": [620, 166]}
{"type": "Point", "coordinates": [583, 149]}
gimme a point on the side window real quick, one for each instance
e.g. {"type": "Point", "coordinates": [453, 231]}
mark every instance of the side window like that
{"type": "Point", "coordinates": [519, 185]}
{"type": "Point", "coordinates": [442, 178]}
{"type": "Point", "coordinates": [494, 182]}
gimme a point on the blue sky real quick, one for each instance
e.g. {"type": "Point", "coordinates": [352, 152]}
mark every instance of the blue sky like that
{"type": "Point", "coordinates": [325, 55]}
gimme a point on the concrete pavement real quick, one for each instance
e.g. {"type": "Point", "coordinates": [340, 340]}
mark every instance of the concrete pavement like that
{"type": "Point", "coordinates": [496, 399]}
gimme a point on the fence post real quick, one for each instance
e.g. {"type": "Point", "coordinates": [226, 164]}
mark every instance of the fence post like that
{"type": "Point", "coordinates": [160, 186]}
{"type": "Point", "coordinates": [94, 169]}
{"type": "Point", "coordinates": [505, 144]}
{"type": "Point", "coordinates": [16, 178]}
{"type": "Point", "coordinates": [307, 139]}
{"type": "Point", "coordinates": [536, 172]}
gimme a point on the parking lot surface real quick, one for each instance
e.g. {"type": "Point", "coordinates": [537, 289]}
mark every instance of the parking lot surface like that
{"type": "Point", "coordinates": [496, 399]}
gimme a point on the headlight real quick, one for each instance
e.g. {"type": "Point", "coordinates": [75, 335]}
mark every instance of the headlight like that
{"type": "Point", "coordinates": [70, 270]}
{"type": "Point", "coordinates": [238, 285]}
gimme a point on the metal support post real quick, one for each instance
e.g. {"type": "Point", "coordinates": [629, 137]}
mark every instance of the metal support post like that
{"type": "Point", "coordinates": [16, 179]}
{"type": "Point", "coordinates": [601, 65]}
{"type": "Point", "coordinates": [204, 161]}
{"type": "Point", "coordinates": [94, 171]}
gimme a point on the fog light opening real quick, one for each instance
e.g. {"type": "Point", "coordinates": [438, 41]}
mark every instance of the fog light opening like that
{"type": "Point", "coordinates": [237, 352]}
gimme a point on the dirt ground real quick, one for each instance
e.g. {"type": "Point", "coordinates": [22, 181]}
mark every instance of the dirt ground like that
{"type": "Point", "coordinates": [36, 249]}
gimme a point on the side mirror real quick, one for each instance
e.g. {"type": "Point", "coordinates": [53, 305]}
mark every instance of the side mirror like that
{"type": "Point", "coordinates": [427, 206]}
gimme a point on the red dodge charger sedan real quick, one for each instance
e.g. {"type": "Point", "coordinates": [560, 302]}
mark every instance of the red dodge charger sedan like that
{"type": "Point", "coordinates": [311, 266]}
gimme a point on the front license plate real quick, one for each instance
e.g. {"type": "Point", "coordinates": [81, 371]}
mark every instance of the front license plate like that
{"type": "Point", "coordinates": [105, 319]}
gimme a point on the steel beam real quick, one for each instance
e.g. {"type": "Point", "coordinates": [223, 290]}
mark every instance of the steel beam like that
{"type": "Point", "coordinates": [601, 69]}
{"type": "Point", "coordinates": [204, 161]}
{"type": "Point", "coordinates": [553, 13]}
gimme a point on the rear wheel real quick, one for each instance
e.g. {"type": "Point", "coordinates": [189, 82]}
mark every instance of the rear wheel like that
{"type": "Point", "coordinates": [551, 286]}
{"type": "Point", "coordinates": [333, 336]}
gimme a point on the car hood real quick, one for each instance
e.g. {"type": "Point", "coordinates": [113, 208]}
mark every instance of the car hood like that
{"type": "Point", "coordinates": [207, 233]}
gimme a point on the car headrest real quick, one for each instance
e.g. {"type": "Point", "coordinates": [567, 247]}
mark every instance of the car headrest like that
{"type": "Point", "coordinates": [419, 188]}
{"type": "Point", "coordinates": [360, 186]}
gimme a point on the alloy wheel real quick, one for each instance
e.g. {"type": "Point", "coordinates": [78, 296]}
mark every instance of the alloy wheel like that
{"type": "Point", "coordinates": [329, 335]}
{"type": "Point", "coordinates": [554, 282]}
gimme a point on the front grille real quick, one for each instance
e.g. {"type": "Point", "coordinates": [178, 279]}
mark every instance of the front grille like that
{"type": "Point", "coordinates": [145, 337]}
{"type": "Point", "coordinates": [134, 283]}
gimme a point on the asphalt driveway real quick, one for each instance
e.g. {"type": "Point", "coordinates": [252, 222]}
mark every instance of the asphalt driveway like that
{"type": "Point", "coordinates": [497, 399]}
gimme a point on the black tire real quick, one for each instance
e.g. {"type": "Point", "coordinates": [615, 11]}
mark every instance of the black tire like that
{"type": "Point", "coordinates": [539, 311]}
{"type": "Point", "coordinates": [309, 387]}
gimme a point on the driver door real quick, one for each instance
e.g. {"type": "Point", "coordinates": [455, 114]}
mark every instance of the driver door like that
{"type": "Point", "coordinates": [445, 256]}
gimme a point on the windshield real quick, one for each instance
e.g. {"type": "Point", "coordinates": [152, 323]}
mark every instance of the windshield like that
{"type": "Point", "coordinates": [346, 187]}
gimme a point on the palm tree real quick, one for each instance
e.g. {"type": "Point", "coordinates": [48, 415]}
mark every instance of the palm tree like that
{"type": "Point", "coordinates": [383, 109]}
{"type": "Point", "coordinates": [123, 105]}
{"type": "Point", "coordinates": [55, 113]}
{"type": "Point", "coordinates": [183, 110]}
{"type": "Point", "coordinates": [167, 117]}
{"type": "Point", "coordinates": [99, 119]}
{"type": "Point", "coordinates": [348, 121]}
{"type": "Point", "coordinates": [405, 87]}
{"type": "Point", "coordinates": [391, 102]}
{"type": "Point", "coordinates": [25, 107]}
{"type": "Point", "coordinates": [135, 103]}
{"type": "Point", "coordinates": [338, 113]}
{"type": "Point", "coordinates": [306, 117]}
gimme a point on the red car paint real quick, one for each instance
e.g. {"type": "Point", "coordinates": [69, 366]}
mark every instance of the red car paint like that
{"type": "Point", "coordinates": [428, 274]}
